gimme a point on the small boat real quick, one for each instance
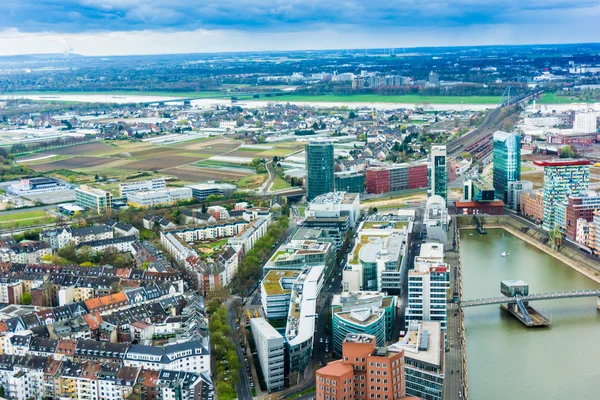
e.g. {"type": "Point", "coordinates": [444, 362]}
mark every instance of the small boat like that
{"type": "Point", "coordinates": [504, 254]}
{"type": "Point", "coordinates": [470, 234]}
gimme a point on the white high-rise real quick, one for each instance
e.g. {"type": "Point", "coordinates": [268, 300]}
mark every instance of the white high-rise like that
{"type": "Point", "coordinates": [585, 122]}
{"type": "Point", "coordinates": [270, 347]}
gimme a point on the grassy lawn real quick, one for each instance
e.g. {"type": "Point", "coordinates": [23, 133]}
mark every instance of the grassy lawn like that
{"type": "Point", "coordinates": [526, 169]}
{"type": "Point", "coordinates": [26, 218]}
{"type": "Point", "coordinates": [251, 181]}
{"type": "Point", "coordinates": [376, 98]}
{"type": "Point", "coordinates": [302, 393]}
{"type": "Point", "coordinates": [301, 210]}
{"type": "Point", "coordinates": [552, 98]}
{"type": "Point", "coordinates": [280, 184]}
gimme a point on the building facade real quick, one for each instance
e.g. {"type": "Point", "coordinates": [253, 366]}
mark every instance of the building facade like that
{"type": "Point", "coordinates": [125, 189]}
{"type": "Point", "coordinates": [92, 198]}
{"type": "Point", "coordinates": [515, 188]}
{"type": "Point", "coordinates": [531, 204]}
{"type": "Point", "coordinates": [351, 182]}
{"type": "Point", "coordinates": [507, 162]}
{"type": "Point", "coordinates": [561, 179]}
{"type": "Point", "coordinates": [270, 347]}
{"type": "Point", "coordinates": [438, 172]}
{"type": "Point", "coordinates": [579, 206]}
{"type": "Point", "coordinates": [319, 169]}
{"type": "Point", "coordinates": [396, 177]}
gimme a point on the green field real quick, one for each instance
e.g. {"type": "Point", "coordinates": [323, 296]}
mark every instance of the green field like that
{"type": "Point", "coordinates": [126, 93]}
{"type": "Point", "coordinates": [280, 184]}
{"type": "Point", "coordinates": [25, 218]}
{"type": "Point", "coordinates": [552, 98]}
{"type": "Point", "coordinates": [376, 98]}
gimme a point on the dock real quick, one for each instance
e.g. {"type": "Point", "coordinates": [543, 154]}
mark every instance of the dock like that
{"type": "Point", "coordinates": [527, 315]}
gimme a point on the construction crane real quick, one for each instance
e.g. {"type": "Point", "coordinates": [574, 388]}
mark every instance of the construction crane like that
{"type": "Point", "coordinates": [248, 315]}
{"type": "Point", "coordinates": [256, 313]}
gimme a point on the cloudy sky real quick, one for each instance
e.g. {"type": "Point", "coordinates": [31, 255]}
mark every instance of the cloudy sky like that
{"type": "Point", "coordinates": [111, 27]}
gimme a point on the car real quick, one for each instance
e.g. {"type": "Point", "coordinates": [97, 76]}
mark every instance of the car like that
{"type": "Point", "coordinates": [327, 340]}
{"type": "Point", "coordinates": [326, 348]}
{"type": "Point", "coordinates": [321, 340]}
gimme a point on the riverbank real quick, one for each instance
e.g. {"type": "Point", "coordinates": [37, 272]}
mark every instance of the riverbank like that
{"type": "Point", "coordinates": [573, 258]}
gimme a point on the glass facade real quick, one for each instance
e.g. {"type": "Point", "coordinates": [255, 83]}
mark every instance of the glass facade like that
{"type": "Point", "coordinates": [351, 183]}
{"type": "Point", "coordinates": [319, 169]}
{"type": "Point", "coordinates": [561, 180]}
{"type": "Point", "coordinates": [439, 172]}
{"type": "Point", "coordinates": [507, 162]}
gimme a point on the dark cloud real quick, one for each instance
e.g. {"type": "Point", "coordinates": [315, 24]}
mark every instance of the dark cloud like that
{"type": "Point", "coordinates": [74, 16]}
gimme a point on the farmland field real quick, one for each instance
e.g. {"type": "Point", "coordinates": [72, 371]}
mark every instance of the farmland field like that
{"type": "Point", "coordinates": [72, 163]}
{"type": "Point", "coordinates": [193, 174]}
{"type": "Point", "coordinates": [160, 162]}
{"type": "Point", "coordinates": [552, 98]}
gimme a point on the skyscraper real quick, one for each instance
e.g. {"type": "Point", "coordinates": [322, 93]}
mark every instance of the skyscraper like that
{"type": "Point", "coordinates": [438, 172]}
{"type": "Point", "coordinates": [507, 162]}
{"type": "Point", "coordinates": [319, 168]}
{"type": "Point", "coordinates": [562, 178]}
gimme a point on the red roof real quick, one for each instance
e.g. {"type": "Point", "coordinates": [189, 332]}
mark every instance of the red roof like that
{"type": "Point", "coordinates": [561, 163]}
{"type": "Point", "coordinates": [496, 203]}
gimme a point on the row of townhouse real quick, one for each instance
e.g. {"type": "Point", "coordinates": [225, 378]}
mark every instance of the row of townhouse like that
{"type": "Point", "coordinates": [37, 377]}
{"type": "Point", "coordinates": [25, 252]}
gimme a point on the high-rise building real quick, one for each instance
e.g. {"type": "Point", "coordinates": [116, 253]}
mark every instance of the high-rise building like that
{"type": "Point", "coordinates": [428, 285]}
{"type": "Point", "coordinates": [507, 162]}
{"type": "Point", "coordinates": [585, 122]}
{"type": "Point", "coordinates": [270, 347]}
{"type": "Point", "coordinates": [423, 348]}
{"type": "Point", "coordinates": [561, 179]}
{"type": "Point", "coordinates": [365, 372]}
{"type": "Point", "coordinates": [319, 168]}
{"type": "Point", "coordinates": [438, 172]}
{"type": "Point", "coordinates": [579, 206]}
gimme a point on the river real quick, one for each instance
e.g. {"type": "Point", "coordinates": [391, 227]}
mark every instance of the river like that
{"type": "Point", "coordinates": [507, 360]}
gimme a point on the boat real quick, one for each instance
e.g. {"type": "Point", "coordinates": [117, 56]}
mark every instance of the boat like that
{"type": "Point", "coordinates": [504, 254]}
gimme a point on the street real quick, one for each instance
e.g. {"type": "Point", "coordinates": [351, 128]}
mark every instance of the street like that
{"type": "Point", "coordinates": [243, 386]}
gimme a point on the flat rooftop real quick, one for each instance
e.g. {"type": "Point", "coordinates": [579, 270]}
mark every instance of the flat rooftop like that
{"type": "Point", "coordinates": [423, 342]}
{"type": "Point", "coordinates": [335, 198]}
{"type": "Point", "coordinates": [272, 281]}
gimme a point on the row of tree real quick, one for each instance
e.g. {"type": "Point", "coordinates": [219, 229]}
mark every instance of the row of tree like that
{"type": "Point", "coordinates": [227, 371]}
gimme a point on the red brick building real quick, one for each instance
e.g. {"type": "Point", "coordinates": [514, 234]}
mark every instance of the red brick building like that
{"type": "Point", "coordinates": [396, 177]}
{"type": "Point", "coordinates": [364, 372]}
{"type": "Point", "coordinates": [580, 206]}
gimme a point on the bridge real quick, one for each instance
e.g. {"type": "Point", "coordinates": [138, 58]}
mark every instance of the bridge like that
{"type": "Point", "coordinates": [531, 297]}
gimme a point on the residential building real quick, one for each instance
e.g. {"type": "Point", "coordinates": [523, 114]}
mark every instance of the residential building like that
{"type": "Point", "coordinates": [123, 244]}
{"type": "Point", "coordinates": [532, 205]}
{"type": "Point", "coordinates": [98, 200]}
{"type": "Point", "coordinates": [585, 122]}
{"type": "Point", "coordinates": [245, 239]}
{"type": "Point", "coordinates": [270, 347]}
{"type": "Point", "coordinates": [365, 371]}
{"type": "Point", "coordinates": [428, 286]}
{"type": "Point", "coordinates": [372, 313]}
{"type": "Point", "coordinates": [189, 356]}
{"type": "Point", "coordinates": [396, 177]}
{"type": "Point", "coordinates": [507, 162]}
{"type": "Point", "coordinates": [319, 168]}
{"type": "Point", "coordinates": [438, 172]}
{"type": "Point", "coordinates": [349, 181]}
{"type": "Point", "coordinates": [515, 188]}
{"type": "Point", "coordinates": [202, 190]}
{"type": "Point", "coordinates": [423, 347]}
{"type": "Point", "coordinates": [159, 197]}
{"type": "Point", "coordinates": [125, 189]}
{"type": "Point", "coordinates": [562, 178]}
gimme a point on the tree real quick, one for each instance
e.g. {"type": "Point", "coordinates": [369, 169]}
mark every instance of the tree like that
{"type": "Point", "coordinates": [72, 179]}
{"type": "Point", "coordinates": [2, 393]}
{"type": "Point", "coordinates": [352, 115]}
{"type": "Point", "coordinates": [567, 152]}
{"type": "Point", "coordinates": [26, 299]}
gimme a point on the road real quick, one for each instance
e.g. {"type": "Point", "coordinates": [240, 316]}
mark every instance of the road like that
{"type": "Point", "coordinates": [243, 386]}
{"type": "Point", "coordinates": [453, 359]}
{"type": "Point", "coordinates": [266, 187]}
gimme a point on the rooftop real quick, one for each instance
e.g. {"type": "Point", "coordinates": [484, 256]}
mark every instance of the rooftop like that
{"type": "Point", "coordinates": [423, 342]}
{"type": "Point", "coordinates": [272, 281]}
{"type": "Point", "coordinates": [561, 162]}
{"type": "Point", "coordinates": [335, 198]}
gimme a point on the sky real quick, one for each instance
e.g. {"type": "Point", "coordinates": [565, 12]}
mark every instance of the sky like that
{"type": "Point", "coordinates": [126, 27]}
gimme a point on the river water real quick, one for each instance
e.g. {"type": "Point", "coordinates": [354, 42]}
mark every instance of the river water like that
{"type": "Point", "coordinates": [507, 360]}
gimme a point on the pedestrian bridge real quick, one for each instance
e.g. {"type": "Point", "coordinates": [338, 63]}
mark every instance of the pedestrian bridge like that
{"type": "Point", "coordinates": [532, 297]}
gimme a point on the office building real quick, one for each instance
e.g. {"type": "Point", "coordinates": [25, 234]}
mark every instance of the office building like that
{"type": "Point", "coordinates": [428, 286]}
{"type": "Point", "coordinates": [366, 371]}
{"type": "Point", "coordinates": [378, 260]}
{"type": "Point", "coordinates": [202, 190]}
{"type": "Point", "coordinates": [334, 205]}
{"type": "Point", "coordinates": [579, 206]}
{"type": "Point", "coordinates": [160, 197]}
{"type": "Point", "coordinates": [270, 347]}
{"type": "Point", "coordinates": [95, 199]}
{"type": "Point", "coordinates": [36, 186]}
{"type": "Point", "coordinates": [438, 172]}
{"type": "Point", "coordinates": [436, 219]}
{"type": "Point", "coordinates": [531, 205]}
{"type": "Point", "coordinates": [515, 188]}
{"type": "Point", "coordinates": [351, 182]}
{"type": "Point", "coordinates": [396, 177]}
{"type": "Point", "coordinates": [372, 313]}
{"type": "Point", "coordinates": [125, 189]}
{"type": "Point", "coordinates": [507, 162]}
{"type": "Point", "coordinates": [297, 254]}
{"type": "Point", "coordinates": [562, 178]}
{"type": "Point", "coordinates": [301, 321]}
{"type": "Point", "coordinates": [319, 168]}
{"type": "Point", "coordinates": [275, 293]}
{"type": "Point", "coordinates": [423, 347]}
{"type": "Point", "coordinates": [585, 122]}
